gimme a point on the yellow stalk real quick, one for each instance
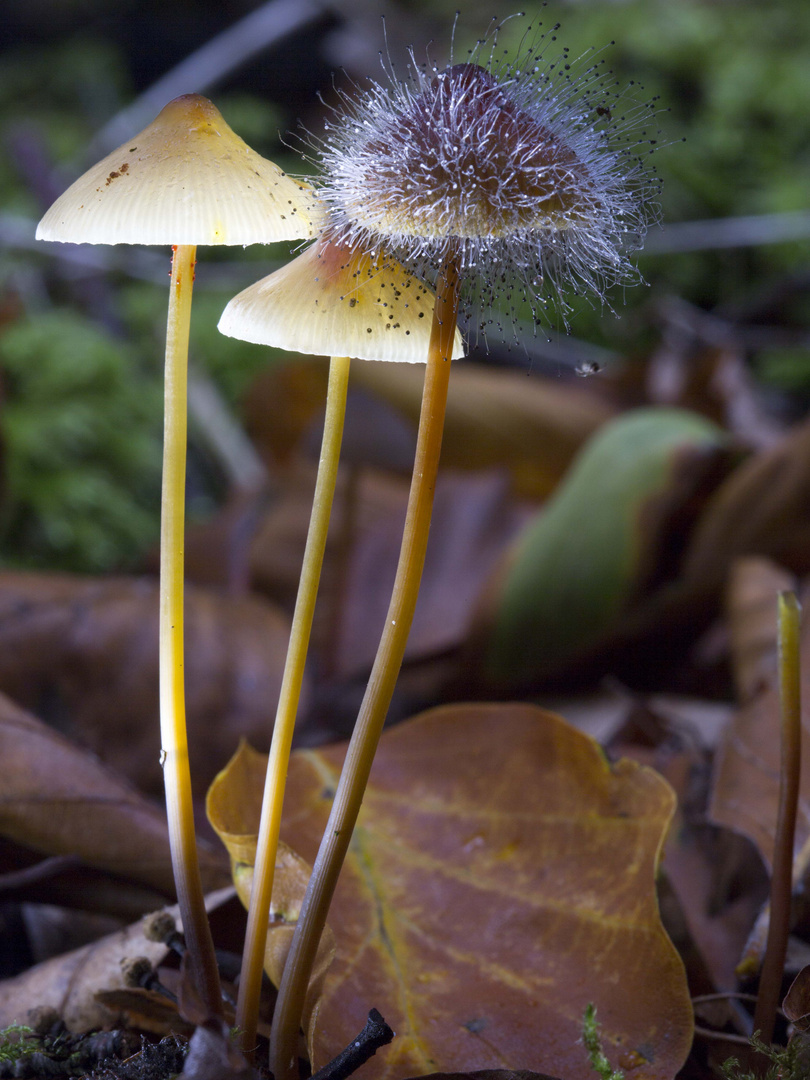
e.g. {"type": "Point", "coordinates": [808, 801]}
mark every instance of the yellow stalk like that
{"type": "Point", "coordinates": [790, 709]}
{"type": "Point", "coordinates": [247, 1007]}
{"type": "Point", "coordinates": [174, 754]}
{"type": "Point", "coordinates": [384, 674]}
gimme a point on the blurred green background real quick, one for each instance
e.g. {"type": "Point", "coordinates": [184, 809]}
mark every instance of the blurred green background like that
{"type": "Point", "coordinates": [81, 332]}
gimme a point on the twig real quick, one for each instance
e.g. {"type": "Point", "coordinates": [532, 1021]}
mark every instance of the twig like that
{"type": "Point", "coordinates": [375, 1034]}
{"type": "Point", "coordinates": [721, 1036]}
{"type": "Point", "coordinates": [222, 433]}
{"type": "Point", "coordinates": [41, 871]}
{"type": "Point", "coordinates": [725, 995]}
{"type": "Point", "coordinates": [731, 232]}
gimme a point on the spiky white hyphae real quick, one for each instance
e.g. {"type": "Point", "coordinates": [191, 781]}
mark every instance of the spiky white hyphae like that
{"type": "Point", "coordinates": [531, 170]}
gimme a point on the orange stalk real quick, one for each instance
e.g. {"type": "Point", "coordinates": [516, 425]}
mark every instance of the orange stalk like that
{"type": "Point", "coordinates": [247, 1008]}
{"type": "Point", "coordinates": [384, 674]}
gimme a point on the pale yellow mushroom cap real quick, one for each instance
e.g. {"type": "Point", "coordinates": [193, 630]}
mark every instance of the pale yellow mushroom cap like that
{"type": "Point", "coordinates": [333, 301]}
{"type": "Point", "coordinates": [186, 179]}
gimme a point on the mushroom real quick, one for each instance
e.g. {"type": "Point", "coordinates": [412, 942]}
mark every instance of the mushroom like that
{"type": "Point", "coordinates": [344, 303]}
{"type": "Point", "coordinates": [186, 179]}
{"type": "Point", "coordinates": [491, 180]}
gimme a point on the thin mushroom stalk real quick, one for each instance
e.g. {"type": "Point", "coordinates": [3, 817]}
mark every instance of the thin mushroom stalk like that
{"type": "Point", "coordinates": [773, 965]}
{"type": "Point", "coordinates": [173, 736]}
{"type": "Point", "coordinates": [247, 1006]}
{"type": "Point", "coordinates": [330, 300]}
{"type": "Point", "coordinates": [186, 179]}
{"type": "Point", "coordinates": [377, 699]}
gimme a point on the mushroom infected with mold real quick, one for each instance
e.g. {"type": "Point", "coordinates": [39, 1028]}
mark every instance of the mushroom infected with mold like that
{"type": "Point", "coordinates": [503, 181]}
{"type": "Point", "coordinates": [531, 171]}
{"type": "Point", "coordinates": [332, 301]}
{"type": "Point", "coordinates": [186, 179]}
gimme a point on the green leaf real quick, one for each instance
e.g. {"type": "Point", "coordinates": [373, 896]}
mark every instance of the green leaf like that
{"type": "Point", "coordinates": [584, 556]}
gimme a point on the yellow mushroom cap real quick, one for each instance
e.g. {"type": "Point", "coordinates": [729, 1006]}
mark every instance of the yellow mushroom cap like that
{"type": "Point", "coordinates": [186, 179]}
{"type": "Point", "coordinates": [334, 301]}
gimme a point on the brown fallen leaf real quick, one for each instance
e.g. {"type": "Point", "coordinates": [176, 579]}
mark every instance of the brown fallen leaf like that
{"type": "Point", "coordinates": [761, 509]}
{"type": "Point", "coordinates": [796, 1005]}
{"type": "Point", "coordinates": [28, 876]}
{"type": "Point", "coordinates": [519, 422]}
{"type": "Point", "coordinates": [474, 519]}
{"type": "Point", "coordinates": [712, 936]}
{"type": "Point", "coordinates": [282, 403]}
{"type": "Point", "coordinates": [284, 410]}
{"type": "Point", "coordinates": [751, 601]}
{"type": "Point", "coordinates": [70, 983]}
{"type": "Point", "coordinates": [61, 800]}
{"type": "Point", "coordinates": [523, 423]}
{"type": "Point", "coordinates": [213, 1055]}
{"type": "Point", "coordinates": [145, 1010]}
{"type": "Point", "coordinates": [745, 793]}
{"type": "Point", "coordinates": [83, 654]}
{"type": "Point", "coordinates": [501, 877]}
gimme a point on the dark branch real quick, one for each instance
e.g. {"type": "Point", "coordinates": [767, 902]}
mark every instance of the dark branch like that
{"type": "Point", "coordinates": [375, 1034]}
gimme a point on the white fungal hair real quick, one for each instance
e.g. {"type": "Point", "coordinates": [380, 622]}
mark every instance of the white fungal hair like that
{"type": "Point", "coordinates": [530, 172]}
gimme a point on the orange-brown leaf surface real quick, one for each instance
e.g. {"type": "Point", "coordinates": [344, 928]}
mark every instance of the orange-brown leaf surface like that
{"type": "Point", "coordinates": [83, 653]}
{"type": "Point", "coordinates": [501, 877]}
{"type": "Point", "coordinates": [61, 800]}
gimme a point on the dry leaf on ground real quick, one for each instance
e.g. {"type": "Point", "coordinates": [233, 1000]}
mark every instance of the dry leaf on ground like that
{"type": "Point", "coordinates": [516, 421]}
{"type": "Point", "coordinates": [61, 800]}
{"type": "Point", "coordinates": [797, 1001]}
{"type": "Point", "coordinates": [761, 509]}
{"type": "Point", "coordinates": [752, 594]}
{"type": "Point", "coordinates": [474, 519]}
{"type": "Point", "coordinates": [70, 983]}
{"type": "Point", "coordinates": [83, 654]}
{"type": "Point", "coordinates": [282, 403]}
{"type": "Point", "coordinates": [501, 878]}
{"type": "Point", "coordinates": [513, 420]}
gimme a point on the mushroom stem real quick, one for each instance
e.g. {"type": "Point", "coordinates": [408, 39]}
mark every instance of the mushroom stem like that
{"type": "Point", "coordinates": [377, 698]}
{"type": "Point", "coordinates": [773, 965]}
{"type": "Point", "coordinates": [247, 1006]}
{"type": "Point", "coordinates": [174, 742]}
